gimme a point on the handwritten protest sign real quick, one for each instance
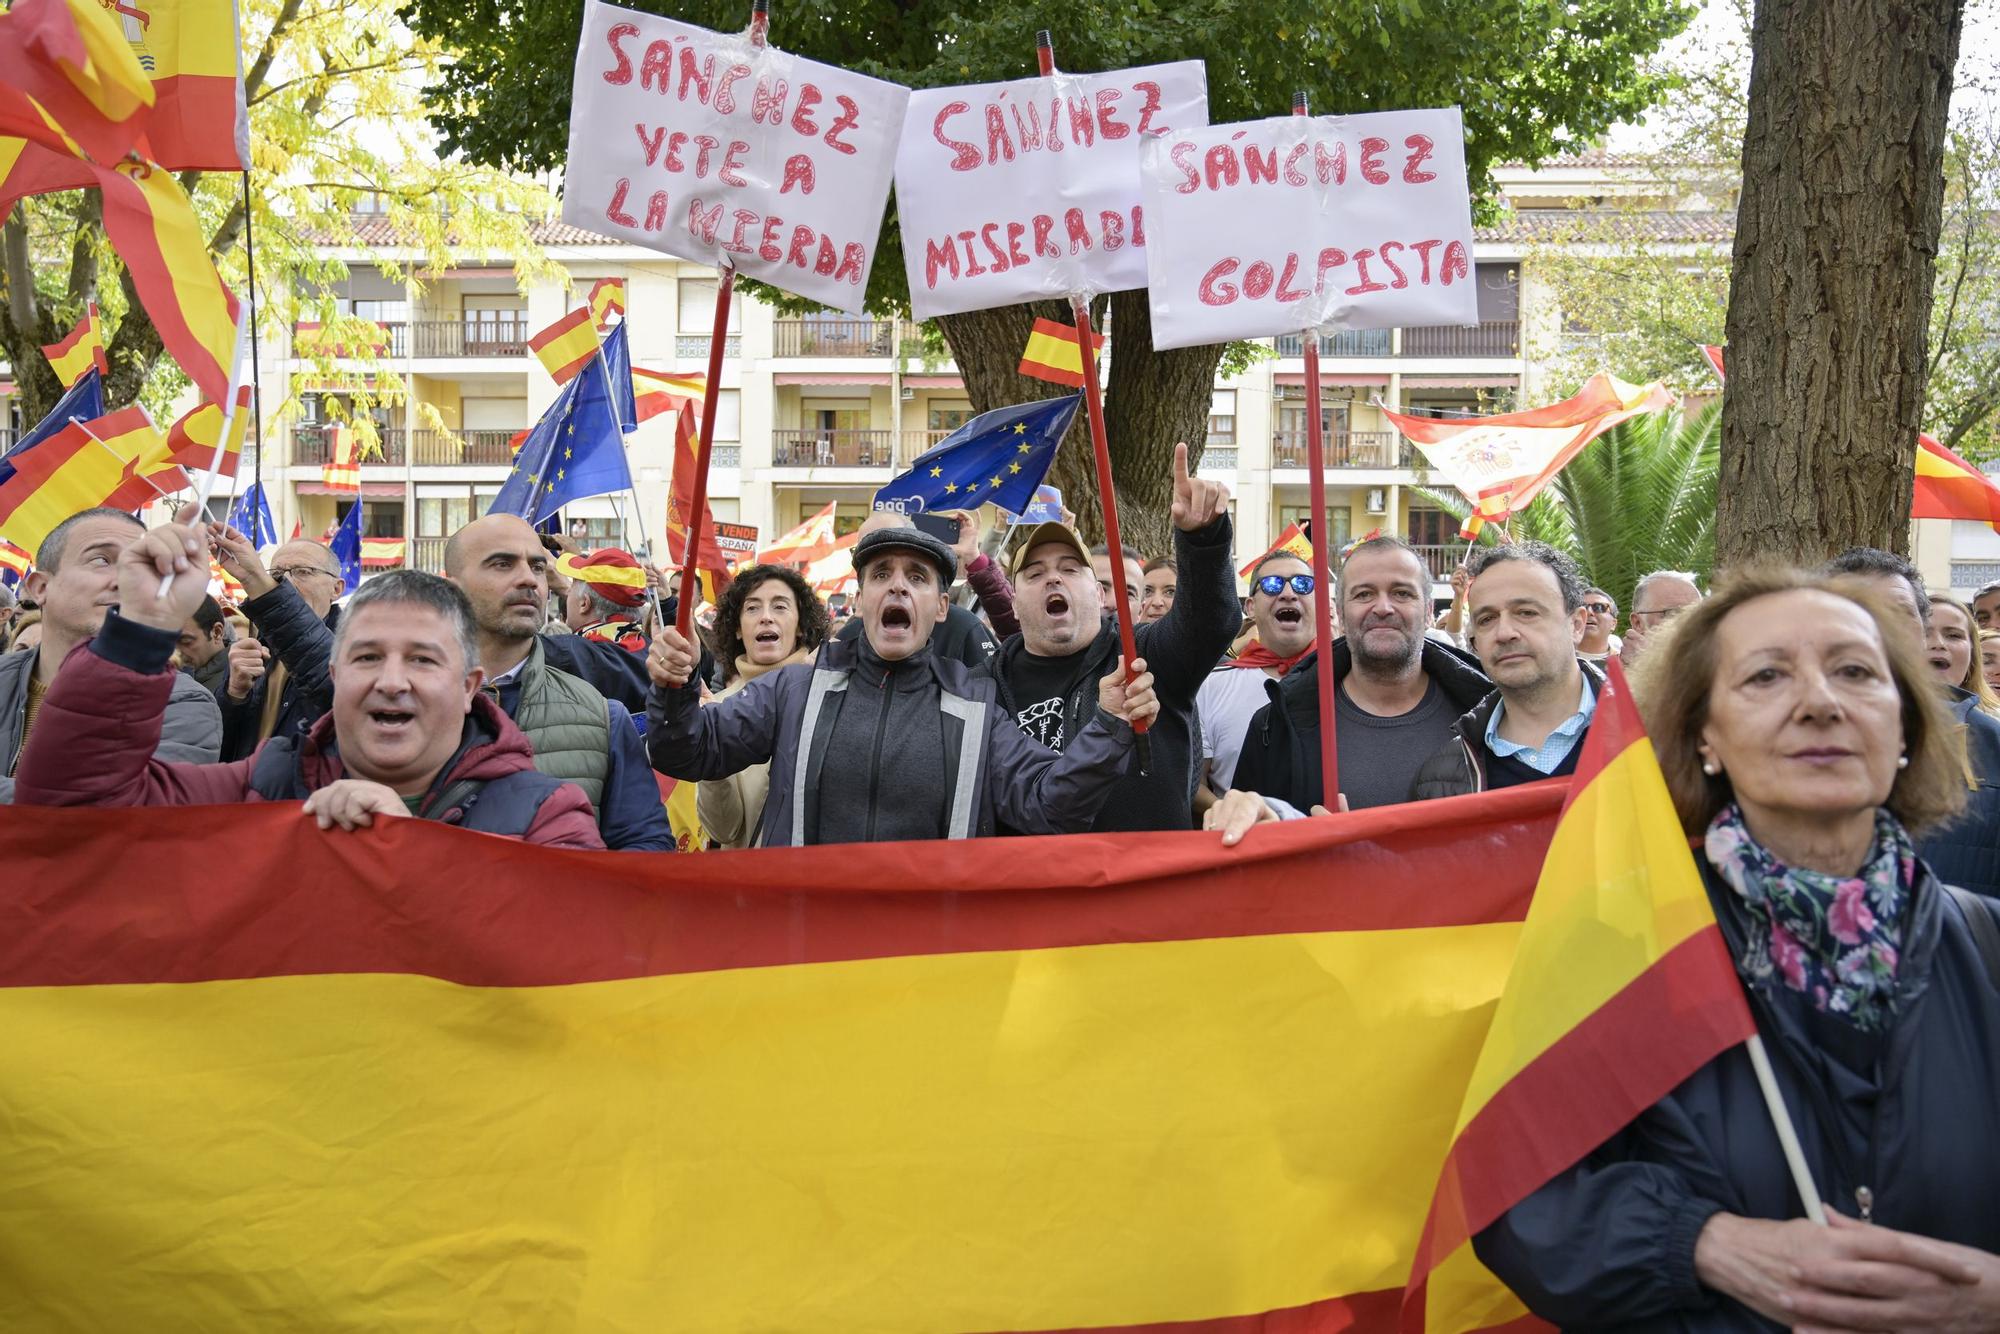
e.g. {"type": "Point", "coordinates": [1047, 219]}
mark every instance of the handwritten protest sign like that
{"type": "Point", "coordinates": [1308, 222]}
{"type": "Point", "coordinates": [737, 541]}
{"type": "Point", "coordinates": [709, 148]}
{"type": "Point", "coordinates": [1011, 192]}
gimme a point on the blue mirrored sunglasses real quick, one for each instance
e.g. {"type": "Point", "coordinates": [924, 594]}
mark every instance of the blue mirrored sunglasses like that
{"type": "Point", "coordinates": [1273, 584]}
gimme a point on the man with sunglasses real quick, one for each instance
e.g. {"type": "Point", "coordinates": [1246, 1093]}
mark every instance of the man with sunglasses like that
{"type": "Point", "coordinates": [290, 603]}
{"type": "Point", "coordinates": [1281, 607]}
{"type": "Point", "coordinates": [1600, 619]}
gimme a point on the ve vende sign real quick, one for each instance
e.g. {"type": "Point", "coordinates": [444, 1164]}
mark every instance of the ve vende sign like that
{"type": "Point", "coordinates": [1012, 192]}
{"type": "Point", "coordinates": [1308, 222]}
{"type": "Point", "coordinates": [709, 148]}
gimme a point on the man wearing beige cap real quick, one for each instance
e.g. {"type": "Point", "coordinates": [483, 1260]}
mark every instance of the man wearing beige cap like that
{"type": "Point", "coordinates": [1049, 671]}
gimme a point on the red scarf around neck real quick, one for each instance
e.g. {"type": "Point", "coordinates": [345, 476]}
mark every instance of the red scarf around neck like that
{"type": "Point", "coordinates": [1256, 655]}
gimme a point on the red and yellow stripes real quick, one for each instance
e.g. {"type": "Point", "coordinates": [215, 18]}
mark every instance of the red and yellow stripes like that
{"type": "Point", "coordinates": [343, 470]}
{"type": "Point", "coordinates": [1055, 353]}
{"type": "Point", "coordinates": [70, 58]}
{"type": "Point", "coordinates": [1621, 989]}
{"type": "Point", "coordinates": [64, 474]}
{"type": "Point", "coordinates": [149, 220]}
{"type": "Point", "coordinates": [655, 392]}
{"type": "Point", "coordinates": [16, 561]}
{"type": "Point", "coordinates": [567, 346]}
{"type": "Point", "coordinates": [150, 472]}
{"type": "Point", "coordinates": [194, 434]}
{"type": "Point", "coordinates": [1292, 541]}
{"type": "Point", "coordinates": [80, 350]}
{"type": "Point", "coordinates": [1947, 487]}
{"type": "Point", "coordinates": [607, 298]}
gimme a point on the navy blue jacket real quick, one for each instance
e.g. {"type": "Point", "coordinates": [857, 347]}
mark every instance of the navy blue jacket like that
{"type": "Point", "coordinates": [1609, 1245]}
{"type": "Point", "coordinates": [1966, 852]}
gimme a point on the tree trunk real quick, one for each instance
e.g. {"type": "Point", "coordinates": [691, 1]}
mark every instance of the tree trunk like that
{"type": "Point", "coordinates": [1152, 400]}
{"type": "Point", "coordinates": [1829, 307]}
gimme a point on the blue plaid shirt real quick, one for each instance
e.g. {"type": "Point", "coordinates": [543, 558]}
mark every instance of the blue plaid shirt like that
{"type": "Point", "coordinates": [1545, 757]}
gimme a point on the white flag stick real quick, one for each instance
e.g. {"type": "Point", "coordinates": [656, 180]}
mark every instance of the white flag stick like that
{"type": "Point", "coordinates": [1788, 1137]}
{"type": "Point", "coordinates": [206, 486]}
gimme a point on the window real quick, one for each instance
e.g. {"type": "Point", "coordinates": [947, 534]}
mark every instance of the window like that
{"type": "Point", "coordinates": [698, 307]}
{"type": "Point", "coordinates": [1292, 419]}
{"type": "Point", "coordinates": [441, 516]}
{"type": "Point", "coordinates": [395, 311]}
{"type": "Point", "coordinates": [728, 415]}
{"type": "Point", "coordinates": [1222, 419]}
{"type": "Point", "coordinates": [1431, 528]}
{"type": "Point", "coordinates": [949, 416]}
{"type": "Point", "coordinates": [384, 519]}
{"type": "Point", "coordinates": [1341, 519]}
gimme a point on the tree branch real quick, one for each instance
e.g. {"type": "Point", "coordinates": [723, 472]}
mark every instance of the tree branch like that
{"type": "Point", "coordinates": [253, 79]}
{"type": "Point", "coordinates": [404, 62]}
{"type": "Point", "coordinates": [82, 254]}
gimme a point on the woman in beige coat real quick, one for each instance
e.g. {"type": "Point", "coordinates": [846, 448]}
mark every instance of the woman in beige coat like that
{"type": "Point", "coordinates": [768, 618]}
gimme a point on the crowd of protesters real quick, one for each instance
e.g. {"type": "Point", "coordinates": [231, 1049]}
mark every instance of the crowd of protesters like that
{"type": "Point", "coordinates": [1830, 740]}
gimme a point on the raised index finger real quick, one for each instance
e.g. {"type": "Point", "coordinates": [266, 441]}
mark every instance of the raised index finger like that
{"type": "Point", "coordinates": [1180, 465]}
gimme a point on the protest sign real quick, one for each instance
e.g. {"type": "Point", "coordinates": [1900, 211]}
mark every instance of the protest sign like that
{"type": "Point", "coordinates": [1308, 222]}
{"type": "Point", "coordinates": [709, 148]}
{"type": "Point", "coordinates": [1047, 506]}
{"type": "Point", "coordinates": [1019, 191]}
{"type": "Point", "coordinates": [738, 541]}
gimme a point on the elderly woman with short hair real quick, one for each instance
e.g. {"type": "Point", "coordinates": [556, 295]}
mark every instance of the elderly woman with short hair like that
{"type": "Point", "coordinates": [1802, 746]}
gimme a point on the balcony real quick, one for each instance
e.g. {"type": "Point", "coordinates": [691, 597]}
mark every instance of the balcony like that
{"type": "Point", "coordinates": [1345, 449]}
{"type": "Point", "coordinates": [1493, 338]}
{"type": "Point", "coordinates": [454, 449]}
{"type": "Point", "coordinates": [839, 338]}
{"type": "Point", "coordinates": [506, 337]}
{"type": "Point", "coordinates": [918, 443]}
{"type": "Point", "coordinates": [833, 449]}
{"type": "Point", "coordinates": [313, 444]}
{"type": "Point", "coordinates": [1442, 559]}
{"type": "Point", "coordinates": [427, 554]}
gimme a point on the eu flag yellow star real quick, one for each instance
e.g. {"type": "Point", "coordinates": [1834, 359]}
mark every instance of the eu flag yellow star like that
{"type": "Point", "coordinates": [560, 474]}
{"type": "Point", "coordinates": [568, 453]}
{"type": "Point", "coordinates": [995, 483]}
{"type": "Point", "coordinates": [972, 486]}
{"type": "Point", "coordinates": [937, 472]}
{"type": "Point", "coordinates": [1013, 467]}
{"type": "Point", "coordinates": [1020, 428]}
{"type": "Point", "coordinates": [951, 488]}
{"type": "Point", "coordinates": [572, 428]}
{"type": "Point", "coordinates": [1024, 449]}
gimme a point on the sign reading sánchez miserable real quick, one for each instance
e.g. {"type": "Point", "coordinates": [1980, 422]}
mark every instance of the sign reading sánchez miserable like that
{"type": "Point", "coordinates": [1308, 222]}
{"type": "Point", "coordinates": [1019, 191]}
{"type": "Point", "coordinates": [708, 148]}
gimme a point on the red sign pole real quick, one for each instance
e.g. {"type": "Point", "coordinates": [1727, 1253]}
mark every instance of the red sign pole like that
{"type": "Point", "coordinates": [1329, 749]}
{"type": "Point", "coordinates": [704, 450]}
{"type": "Point", "coordinates": [1100, 444]}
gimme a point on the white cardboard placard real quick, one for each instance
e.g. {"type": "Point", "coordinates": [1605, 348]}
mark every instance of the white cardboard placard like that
{"type": "Point", "coordinates": [708, 148]}
{"type": "Point", "coordinates": [1018, 191]}
{"type": "Point", "coordinates": [1308, 222]}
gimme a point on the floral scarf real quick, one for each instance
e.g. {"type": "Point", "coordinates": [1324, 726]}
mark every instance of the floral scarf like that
{"type": "Point", "coordinates": [1836, 939]}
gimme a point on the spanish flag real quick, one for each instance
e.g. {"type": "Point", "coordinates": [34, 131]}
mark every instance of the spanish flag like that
{"type": "Point", "coordinates": [810, 540]}
{"type": "Point", "coordinates": [150, 472]}
{"type": "Point", "coordinates": [1620, 989]}
{"type": "Point", "coordinates": [73, 62]}
{"type": "Point", "coordinates": [194, 436]}
{"type": "Point", "coordinates": [381, 553]}
{"type": "Point", "coordinates": [342, 472]}
{"type": "Point", "coordinates": [1947, 487]}
{"type": "Point", "coordinates": [190, 50]}
{"type": "Point", "coordinates": [151, 224]}
{"type": "Point", "coordinates": [1055, 354]}
{"type": "Point", "coordinates": [655, 392]}
{"type": "Point", "coordinates": [14, 562]}
{"type": "Point", "coordinates": [607, 298]}
{"type": "Point", "coordinates": [81, 350]}
{"type": "Point", "coordinates": [66, 473]}
{"type": "Point", "coordinates": [1494, 505]}
{"type": "Point", "coordinates": [413, 1078]}
{"type": "Point", "coordinates": [567, 346]}
{"type": "Point", "coordinates": [1292, 541]}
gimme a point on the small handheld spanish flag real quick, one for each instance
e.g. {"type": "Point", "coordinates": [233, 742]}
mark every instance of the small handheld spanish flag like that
{"type": "Point", "coordinates": [567, 346]}
{"type": "Point", "coordinates": [14, 563]}
{"type": "Point", "coordinates": [82, 349]}
{"type": "Point", "coordinates": [1054, 353]}
{"type": "Point", "coordinates": [607, 298]}
{"type": "Point", "coordinates": [1294, 541]}
{"type": "Point", "coordinates": [1494, 505]}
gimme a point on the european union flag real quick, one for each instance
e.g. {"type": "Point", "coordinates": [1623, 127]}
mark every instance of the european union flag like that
{"type": "Point", "coordinates": [83, 401]}
{"type": "Point", "coordinates": [575, 450]}
{"type": "Point", "coordinates": [251, 516]}
{"type": "Point", "coordinates": [346, 546]}
{"type": "Point", "coordinates": [616, 358]}
{"type": "Point", "coordinates": [997, 458]}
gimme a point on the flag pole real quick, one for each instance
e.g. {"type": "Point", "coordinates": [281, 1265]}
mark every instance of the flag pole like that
{"type": "Point", "coordinates": [256, 375]}
{"type": "Point", "coordinates": [1100, 443]}
{"type": "Point", "coordinates": [1788, 1136]}
{"type": "Point", "coordinates": [725, 289]}
{"type": "Point", "coordinates": [1329, 748]}
{"type": "Point", "coordinates": [206, 486]}
{"type": "Point", "coordinates": [625, 443]}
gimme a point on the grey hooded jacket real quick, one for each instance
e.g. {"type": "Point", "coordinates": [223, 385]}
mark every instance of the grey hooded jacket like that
{"type": "Point", "coordinates": [806, 719]}
{"type": "Point", "coordinates": [190, 732]}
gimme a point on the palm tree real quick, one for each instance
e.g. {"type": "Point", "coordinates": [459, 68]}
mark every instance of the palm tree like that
{"type": "Point", "coordinates": [1639, 498]}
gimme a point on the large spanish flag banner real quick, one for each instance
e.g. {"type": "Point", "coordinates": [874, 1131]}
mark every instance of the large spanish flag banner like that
{"type": "Point", "coordinates": [1621, 988]}
{"type": "Point", "coordinates": [1947, 487]}
{"type": "Point", "coordinates": [416, 1079]}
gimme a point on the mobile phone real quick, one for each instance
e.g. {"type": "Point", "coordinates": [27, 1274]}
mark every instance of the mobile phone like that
{"type": "Point", "coordinates": [944, 527]}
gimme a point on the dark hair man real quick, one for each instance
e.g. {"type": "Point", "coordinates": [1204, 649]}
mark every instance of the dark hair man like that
{"type": "Point", "coordinates": [880, 739]}
{"type": "Point", "coordinates": [1135, 577]}
{"type": "Point", "coordinates": [1068, 641]}
{"type": "Point", "coordinates": [1600, 623]}
{"type": "Point", "coordinates": [75, 580]}
{"type": "Point", "coordinates": [1281, 607]}
{"type": "Point", "coordinates": [1398, 691]}
{"type": "Point", "coordinates": [1986, 606]}
{"type": "Point", "coordinates": [1529, 615]}
{"type": "Point", "coordinates": [408, 734]}
{"type": "Point", "coordinates": [203, 648]}
{"type": "Point", "coordinates": [1965, 852]}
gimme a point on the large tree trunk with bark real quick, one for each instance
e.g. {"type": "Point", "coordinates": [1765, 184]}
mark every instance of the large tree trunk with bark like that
{"type": "Point", "coordinates": [1152, 401]}
{"type": "Point", "coordinates": [1830, 297]}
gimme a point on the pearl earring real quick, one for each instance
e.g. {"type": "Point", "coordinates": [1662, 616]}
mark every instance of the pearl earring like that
{"type": "Point", "coordinates": [1903, 761]}
{"type": "Point", "coordinates": [1711, 768]}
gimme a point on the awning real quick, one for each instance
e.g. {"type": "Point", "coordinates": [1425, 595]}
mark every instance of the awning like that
{"type": "Point", "coordinates": [1291, 378]}
{"type": "Point", "coordinates": [369, 490]}
{"type": "Point", "coordinates": [934, 381]}
{"type": "Point", "coordinates": [1461, 382]}
{"type": "Point", "coordinates": [828, 377]}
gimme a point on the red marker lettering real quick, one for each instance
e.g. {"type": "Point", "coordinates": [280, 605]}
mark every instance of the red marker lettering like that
{"type": "Point", "coordinates": [1329, 258]}
{"type": "Point", "coordinates": [1015, 255]}
{"type": "Point", "coordinates": [768, 248]}
{"type": "Point", "coordinates": [1257, 280]}
{"type": "Point", "coordinates": [616, 212]}
{"type": "Point", "coordinates": [849, 115]}
{"type": "Point", "coordinates": [1150, 107]}
{"type": "Point", "coordinates": [657, 68]}
{"type": "Point", "coordinates": [853, 259]}
{"type": "Point", "coordinates": [656, 211]}
{"type": "Point", "coordinates": [702, 76]}
{"type": "Point", "coordinates": [998, 145]}
{"type": "Point", "coordinates": [1330, 166]}
{"type": "Point", "coordinates": [1423, 249]}
{"type": "Point", "coordinates": [725, 100]}
{"type": "Point", "coordinates": [986, 237]}
{"type": "Point", "coordinates": [622, 72]}
{"type": "Point", "coordinates": [704, 225]}
{"type": "Point", "coordinates": [973, 268]}
{"type": "Point", "coordinates": [826, 261]}
{"type": "Point", "coordinates": [1213, 291]}
{"type": "Point", "coordinates": [1079, 234]}
{"type": "Point", "coordinates": [1107, 108]}
{"type": "Point", "coordinates": [802, 239]}
{"type": "Point", "coordinates": [707, 143]}
{"type": "Point", "coordinates": [1372, 170]}
{"type": "Point", "coordinates": [1180, 153]}
{"type": "Point", "coordinates": [1366, 284]}
{"type": "Point", "coordinates": [799, 172]}
{"type": "Point", "coordinates": [1401, 279]}
{"type": "Point", "coordinates": [964, 156]}
{"type": "Point", "coordinates": [767, 102]}
{"type": "Point", "coordinates": [1082, 128]}
{"type": "Point", "coordinates": [802, 121]}
{"type": "Point", "coordinates": [1255, 167]}
{"type": "Point", "coordinates": [736, 245]}
{"type": "Point", "coordinates": [1456, 264]}
{"type": "Point", "coordinates": [650, 145]}
{"type": "Point", "coordinates": [1220, 164]}
{"type": "Point", "coordinates": [1286, 292]}
{"type": "Point", "coordinates": [732, 164]}
{"type": "Point", "coordinates": [1111, 228]}
{"type": "Point", "coordinates": [1044, 224]}
{"type": "Point", "coordinates": [674, 142]}
{"type": "Point", "coordinates": [1420, 146]}
{"type": "Point", "coordinates": [1028, 129]}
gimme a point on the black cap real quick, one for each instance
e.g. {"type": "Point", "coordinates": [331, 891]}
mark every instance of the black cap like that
{"type": "Point", "coordinates": [907, 539]}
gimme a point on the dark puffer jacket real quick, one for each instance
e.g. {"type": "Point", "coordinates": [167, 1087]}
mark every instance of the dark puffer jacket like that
{"type": "Point", "coordinates": [1609, 1244]}
{"type": "Point", "coordinates": [1966, 852]}
{"type": "Point", "coordinates": [1461, 766]}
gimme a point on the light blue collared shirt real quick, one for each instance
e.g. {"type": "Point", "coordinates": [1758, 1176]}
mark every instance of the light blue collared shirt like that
{"type": "Point", "coordinates": [1545, 757]}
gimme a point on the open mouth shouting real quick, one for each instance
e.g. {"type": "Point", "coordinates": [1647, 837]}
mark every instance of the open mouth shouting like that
{"type": "Point", "coordinates": [896, 617]}
{"type": "Point", "coordinates": [768, 636]}
{"type": "Point", "coordinates": [1056, 604]}
{"type": "Point", "coordinates": [392, 722]}
{"type": "Point", "coordinates": [1289, 614]}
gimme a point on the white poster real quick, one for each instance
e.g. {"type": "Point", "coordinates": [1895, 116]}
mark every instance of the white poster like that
{"type": "Point", "coordinates": [708, 148]}
{"type": "Point", "coordinates": [1011, 192]}
{"type": "Point", "coordinates": [1308, 222]}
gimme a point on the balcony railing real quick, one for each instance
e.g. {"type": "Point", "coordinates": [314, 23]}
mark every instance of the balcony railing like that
{"type": "Point", "coordinates": [1493, 338]}
{"type": "Point", "coordinates": [840, 338]}
{"type": "Point", "coordinates": [696, 345]}
{"type": "Point", "coordinates": [1442, 560]}
{"type": "Point", "coordinates": [833, 449]}
{"type": "Point", "coordinates": [313, 443]}
{"type": "Point", "coordinates": [507, 337]}
{"type": "Point", "coordinates": [919, 443]}
{"type": "Point", "coordinates": [1345, 449]}
{"type": "Point", "coordinates": [482, 448]}
{"type": "Point", "coordinates": [427, 554]}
